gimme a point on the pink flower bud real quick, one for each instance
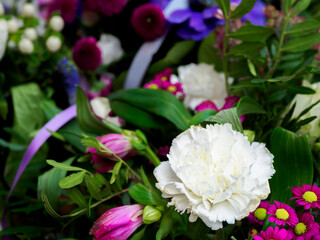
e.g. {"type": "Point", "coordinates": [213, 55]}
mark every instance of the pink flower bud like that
{"type": "Point", "coordinates": [118, 223]}
{"type": "Point", "coordinates": [206, 105]}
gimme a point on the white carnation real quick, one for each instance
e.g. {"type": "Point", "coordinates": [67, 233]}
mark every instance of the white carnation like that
{"type": "Point", "coordinates": [200, 82]}
{"type": "Point", "coordinates": [53, 43]}
{"type": "Point", "coordinates": [25, 46]}
{"type": "Point", "coordinates": [3, 37]}
{"type": "Point", "coordinates": [216, 174]}
{"type": "Point", "coordinates": [110, 47]}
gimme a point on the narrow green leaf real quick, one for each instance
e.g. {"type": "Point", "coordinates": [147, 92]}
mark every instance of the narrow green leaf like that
{"type": "Point", "coordinates": [250, 49]}
{"type": "Point", "coordinates": [48, 207]}
{"type": "Point", "coordinates": [301, 90]}
{"type": "Point", "coordinates": [287, 5]}
{"type": "Point", "coordinates": [201, 116]}
{"type": "Point", "coordinates": [303, 28]}
{"type": "Point", "coordinates": [227, 116]}
{"type": "Point", "coordinates": [144, 196]}
{"type": "Point", "coordinates": [252, 68]}
{"type": "Point", "coordinates": [77, 197]}
{"type": "Point", "coordinates": [247, 105]}
{"type": "Point", "coordinates": [72, 180]}
{"type": "Point", "coordinates": [93, 185]}
{"type": "Point", "coordinates": [165, 225]}
{"type": "Point", "coordinates": [63, 166]}
{"type": "Point", "coordinates": [115, 172]}
{"type": "Point", "coordinates": [252, 33]}
{"type": "Point", "coordinates": [244, 7]}
{"type": "Point", "coordinates": [302, 43]}
{"type": "Point", "coordinates": [12, 146]}
{"type": "Point", "coordinates": [139, 235]}
{"type": "Point", "coordinates": [300, 6]}
{"type": "Point", "coordinates": [224, 6]}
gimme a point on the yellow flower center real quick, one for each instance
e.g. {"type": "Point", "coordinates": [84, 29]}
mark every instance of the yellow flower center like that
{"type": "Point", "coordinates": [153, 86]}
{"type": "Point", "coordinates": [172, 88]}
{"type": "Point", "coordinates": [148, 20]}
{"type": "Point", "coordinates": [282, 214]}
{"type": "Point", "coordinates": [260, 214]}
{"type": "Point", "coordinates": [164, 78]}
{"type": "Point", "coordinates": [310, 197]}
{"type": "Point", "coordinates": [253, 232]}
{"type": "Point", "coordinates": [300, 228]}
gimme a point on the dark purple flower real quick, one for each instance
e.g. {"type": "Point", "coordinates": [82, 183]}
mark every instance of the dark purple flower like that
{"type": "Point", "coordinates": [106, 7]}
{"type": "Point", "coordinates": [86, 54]}
{"type": "Point", "coordinates": [272, 234]}
{"type": "Point", "coordinates": [148, 21]}
{"type": "Point", "coordinates": [67, 9]}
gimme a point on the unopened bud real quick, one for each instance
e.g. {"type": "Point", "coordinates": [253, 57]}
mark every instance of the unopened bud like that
{"type": "Point", "coordinates": [31, 34]}
{"type": "Point", "coordinates": [2, 11]}
{"type": "Point", "coordinates": [53, 44]}
{"type": "Point", "coordinates": [12, 25]}
{"type": "Point", "coordinates": [25, 46]}
{"type": "Point", "coordinates": [56, 23]}
{"type": "Point", "coordinates": [28, 10]}
{"type": "Point", "coordinates": [151, 215]}
{"type": "Point", "coordinates": [250, 135]}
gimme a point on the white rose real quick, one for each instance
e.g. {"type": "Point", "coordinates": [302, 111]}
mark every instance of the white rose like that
{"type": "Point", "coordinates": [303, 101]}
{"type": "Point", "coordinates": [28, 10]}
{"type": "Point", "coordinates": [25, 46]}
{"type": "Point", "coordinates": [56, 23]}
{"type": "Point", "coordinates": [12, 25]}
{"type": "Point", "coordinates": [3, 37]}
{"type": "Point", "coordinates": [110, 47]}
{"type": "Point", "coordinates": [31, 33]}
{"type": "Point", "coordinates": [200, 82]}
{"type": "Point", "coordinates": [53, 43]}
{"type": "Point", "coordinates": [214, 173]}
{"type": "Point", "coordinates": [101, 108]}
{"type": "Point", "coordinates": [1, 9]}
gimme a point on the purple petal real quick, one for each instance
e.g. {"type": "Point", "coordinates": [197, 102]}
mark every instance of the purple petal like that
{"type": "Point", "coordinates": [256, 15]}
{"type": "Point", "coordinates": [186, 32]}
{"type": "Point", "coordinates": [196, 22]}
{"type": "Point", "coordinates": [209, 12]}
{"type": "Point", "coordinates": [180, 16]}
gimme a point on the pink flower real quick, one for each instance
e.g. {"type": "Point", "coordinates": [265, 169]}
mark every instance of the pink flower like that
{"type": "Point", "coordinates": [154, 84]}
{"type": "Point", "coordinates": [118, 223]}
{"type": "Point", "coordinates": [148, 21]}
{"type": "Point", "coordinates": [272, 234]}
{"type": "Point", "coordinates": [165, 75]}
{"type": "Point", "coordinates": [206, 105]}
{"type": "Point", "coordinates": [282, 214]}
{"type": "Point", "coordinates": [86, 54]}
{"type": "Point", "coordinates": [307, 196]}
{"type": "Point", "coordinates": [67, 9]}
{"type": "Point", "coordinates": [260, 214]}
{"type": "Point", "coordinates": [118, 144]}
{"type": "Point", "coordinates": [106, 7]}
{"type": "Point", "coordinates": [305, 229]}
{"type": "Point", "coordinates": [174, 88]}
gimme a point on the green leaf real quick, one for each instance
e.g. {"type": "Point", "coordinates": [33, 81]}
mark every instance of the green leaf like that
{"type": "Point", "coordinates": [252, 68]}
{"type": "Point", "coordinates": [201, 116]}
{"type": "Point", "coordinates": [227, 116]}
{"type": "Point", "coordinates": [244, 7]}
{"type": "Point", "coordinates": [158, 102]}
{"type": "Point", "coordinates": [139, 235]}
{"type": "Point", "coordinates": [72, 180]}
{"type": "Point", "coordinates": [144, 196]}
{"type": "Point", "coordinates": [302, 43]}
{"type": "Point", "coordinates": [301, 90]}
{"type": "Point", "coordinates": [77, 197]}
{"type": "Point", "coordinates": [224, 6]}
{"type": "Point", "coordinates": [303, 28]}
{"type": "Point", "coordinates": [3, 107]}
{"type": "Point", "coordinates": [300, 6]}
{"type": "Point", "coordinates": [94, 184]}
{"type": "Point", "coordinates": [48, 207]}
{"type": "Point", "coordinates": [21, 230]}
{"type": "Point", "coordinates": [288, 4]}
{"type": "Point", "coordinates": [63, 166]}
{"type": "Point", "coordinates": [292, 162]}
{"type": "Point", "coordinates": [165, 226]}
{"type": "Point", "coordinates": [115, 172]}
{"type": "Point", "coordinates": [12, 146]}
{"type": "Point", "coordinates": [247, 105]}
{"type": "Point", "coordinates": [246, 49]}
{"type": "Point", "coordinates": [252, 33]}
{"type": "Point", "coordinates": [86, 118]}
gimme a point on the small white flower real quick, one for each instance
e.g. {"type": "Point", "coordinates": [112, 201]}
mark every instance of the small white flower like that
{"type": "Point", "coordinates": [110, 47]}
{"type": "Point", "coordinates": [101, 108]}
{"type": "Point", "coordinates": [303, 101]}
{"type": "Point", "coordinates": [12, 25]}
{"type": "Point", "coordinates": [28, 10]}
{"type": "Point", "coordinates": [56, 23]}
{"type": "Point", "coordinates": [214, 173]}
{"type": "Point", "coordinates": [25, 46]}
{"type": "Point", "coordinates": [53, 43]}
{"type": "Point", "coordinates": [3, 37]}
{"type": "Point", "coordinates": [1, 9]}
{"type": "Point", "coordinates": [31, 33]}
{"type": "Point", "coordinates": [200, 82]}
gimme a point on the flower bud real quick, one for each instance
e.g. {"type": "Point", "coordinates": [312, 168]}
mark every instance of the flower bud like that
{"type": "Point", "coordinates": [12, 25]}
{"type": "Point", "coordinates": [249, 134]}
{"type": "Point", "coordinates": [56, 23]}
{"type": "Point", "coordinates": [25, 46]}
{"type": "Point", "coordinates": [31, 33]}
{"type": "Point", "coordinates": [151, 215]}
{"type": "Point", "coordinates": [53, 44]}
{"type": "Point", "coordinates": [28, 10]}
{"type": "Point", "coordinates": [2, 11]}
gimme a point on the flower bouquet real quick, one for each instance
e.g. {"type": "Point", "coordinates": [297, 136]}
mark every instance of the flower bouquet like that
{"type": "Point", "coordinates": [160, 119]}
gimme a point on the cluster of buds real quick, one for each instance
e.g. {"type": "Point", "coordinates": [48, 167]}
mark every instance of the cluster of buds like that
{"type": "Point", "coordinates": [276, 17]}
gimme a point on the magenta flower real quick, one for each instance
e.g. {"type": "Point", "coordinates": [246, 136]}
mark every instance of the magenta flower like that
{"type": "Point", "coordinates": [87, 54]}
{"type": "Point", "coordinates": [305, 229]}
{"type": "Point", "coordinates": [67, 9]}
{"type": "Point", "coordinates": [154, 84]}
{"type": "Point", "coordinates": [272, 234]}
{"type": "Point", "coordinates": [165, 75]}
{"type": "Point", "coordinates": [118, 144]}
{"type": "Point", "coordinates": [148, 21]}
{"type": "Point", "coordinates": [174, 88]}
{"type": "Point", "coordinates": [206, 105]}
{"type": "Point", "coordinates": [307, 196]}
{"type": "Point", "coordinates": [103, 89]}
{"type": "Point", "coordinates": [106, 7]}
{"type": "Point", "coordinates": [118, 223]}
{"type": "Point", "coordinates": [282, 214]}
{"type": "Point", "coordinates": [260, 214]}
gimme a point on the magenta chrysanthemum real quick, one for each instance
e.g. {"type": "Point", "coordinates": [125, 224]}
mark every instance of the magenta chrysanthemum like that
{"type": "Point", "coordinates": [272, 234]}
{"type": "Point", "coordinates": [67, 9]}
{"type": "Point", "coordinates": [86, 54]}
{"type": "Point", "coordinates": [307, 196]}
{"type": "Point", "coordinates": [148, 21]}
{"type": "Point", "coordinates": [260, 214]}
{"type": "Point", "coordinates": [282, 214]}
{"type": "Point", "coordinates": [106, 7]}
{"type": "Point", "coordinates": [174, 88]}
{"type": "Point", "coordinates": [154, 84]}
{"type": "Point", "coordinates": [305, 229]}
{"type": "Point", "coordinates": [165, 75]}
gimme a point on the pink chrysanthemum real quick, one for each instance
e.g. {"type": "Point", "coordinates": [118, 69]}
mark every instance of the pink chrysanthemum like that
{"type": "Point", "coordinates": [260, 214]}
{"type": "Point", "coordinates": [87, 54]}
{"type": "Point", "coordinates": [165, 75]}
{"type": "Point", "coordinates": [272, 234]}
{"type": "Point", "coordinates": [307, 196]}
{"type": "Point", "coordinates": [174, 88]}
{"type": "Point", "coordinates": [106, 7]}
{"type": "Point", "coordinates": [154, 84]}
{"type": "Point", "coordinates": [148, 21]}
{"type": "Point", "coordinates": [67, 9]}
{"type": "Point", "coordinates": [282, 214]}
{"type": "Point", "coordinates": [305, 229]}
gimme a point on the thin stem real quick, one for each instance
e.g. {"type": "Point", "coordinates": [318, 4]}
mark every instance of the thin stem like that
{"type": "Point", "coordinates": [112, 127]}
{"type": "Point", "coordinates": [152, 156]}
{"type": "Point", "coordinates": [225, 59]}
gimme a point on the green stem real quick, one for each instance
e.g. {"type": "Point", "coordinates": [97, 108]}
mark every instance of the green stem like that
{"type": "Point", "coordinates": [152, 156]}
{"type": "Point", "coordinates": [225, 58]}
{"type": "Point", "coordinates": [112, 127]}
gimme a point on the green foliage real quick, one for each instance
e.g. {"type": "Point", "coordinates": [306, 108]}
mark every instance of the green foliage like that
{"type": "Point", "coordinates": [72, 180]}
{"type": "Point", "coordinates": [302, 43]}
{"type": "Point", "coordinates": [143, 195]}
{"type": "Point", "coordinates": [224, 6]}
{"type": "Point", "coordinates": [227, 116]}
{"type": "Point", "coordinates": [304, 28]}
{"type": "Point", "coordinates": [201, 116]}
{"type": "Point", "coordinates": [252, 33]}
{"type": "Point", "coordinates": [244, 7]}
{"type": "Point", "coordinates": [247, 105]}
{"type": "Point", "coordinates": [165, 226]}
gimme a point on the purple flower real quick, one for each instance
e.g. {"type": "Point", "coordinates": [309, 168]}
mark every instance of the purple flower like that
{"type": "Point", "coordinates": [282, 214]}
{"type": "Point", "coordinates": [106, 7]}
{"type": "Point", "coordinates": [174, 88]}
{"type": "Point", "coordinates": [67, 9]}
{"type": "Point", "coordinates": [154, 84]}
{"type": "Point", "coordinates": [305, 229]}
{"type": "Point", "coordinates": [148, 21]}
{"type": "Point", "coordinates": [260, 214]}
{"type": "Point", "coordinates": [118, 223]}
{"type": "Point", "coordinates": [256, 16]}
{"type": "Point", "coordinates": [272, 234]}
{"type": "Point", "coordinates": [87, 54]}
{"type": "Point", "coordinates": [165, 75]}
